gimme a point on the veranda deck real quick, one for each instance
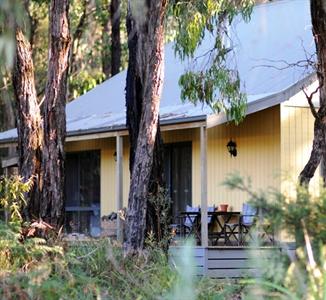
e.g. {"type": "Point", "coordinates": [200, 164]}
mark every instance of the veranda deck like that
{"type": "Point", "coordinates": [226, 262]}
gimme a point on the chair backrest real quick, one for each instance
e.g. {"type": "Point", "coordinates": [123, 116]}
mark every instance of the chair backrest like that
{"type": "Point", "coordinates": [210, 209]}
{"type": "Point", "coordinates": [190, 219]}
{"type": "Point", "coordinates": [248, 214]}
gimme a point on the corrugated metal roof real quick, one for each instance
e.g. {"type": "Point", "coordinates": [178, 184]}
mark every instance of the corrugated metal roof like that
{"type": "Point", "coordinates": [278, 34]}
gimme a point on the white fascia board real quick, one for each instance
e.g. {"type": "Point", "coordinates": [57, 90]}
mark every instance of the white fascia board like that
{"type": "Point", "coordinates": [266, 102]}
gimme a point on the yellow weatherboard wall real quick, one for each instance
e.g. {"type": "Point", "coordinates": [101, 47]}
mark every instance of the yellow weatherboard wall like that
{"type": "Point", "coordinates": [107, 147]}
{"type": "Point", "coordinates": [258, 147]}
{"type": "Point", "coordinates": [296, 140]}
{"type": "Point", "coordinates": [269, 143]}
{"type": "Point", "coordinates": [258, 144]}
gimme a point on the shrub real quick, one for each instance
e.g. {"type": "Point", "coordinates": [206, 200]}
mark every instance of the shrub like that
{"type": "Point", "coordinates": [304, 219]}
{"type": "Point", "coordinates": [12, 196]}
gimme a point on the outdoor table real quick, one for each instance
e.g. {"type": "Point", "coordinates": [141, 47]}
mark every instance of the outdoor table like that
{"type": "Point", "coordinates": [194, 219]}
{"type": "Point", "coordinates": [226, 216]}
{"type": "Point", "coordinates": [194, 224]}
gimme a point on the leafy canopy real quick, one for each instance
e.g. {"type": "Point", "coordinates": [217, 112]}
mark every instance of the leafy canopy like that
{"type": "Point", "coordinates": [217, 84]}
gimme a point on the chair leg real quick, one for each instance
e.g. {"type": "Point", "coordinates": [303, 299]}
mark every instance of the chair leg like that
{"type": "Point", "coordinates": [232, 232]}
{"type": "Point", "coordinates": [241, 236]}
{"type": "Point", "coordinates": [245, 232]}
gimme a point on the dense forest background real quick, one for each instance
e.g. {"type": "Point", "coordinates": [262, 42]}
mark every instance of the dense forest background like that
{"type": "Point", "coordinates": [98, 51]}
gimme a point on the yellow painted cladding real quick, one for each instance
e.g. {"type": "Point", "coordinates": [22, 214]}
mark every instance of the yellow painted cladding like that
{"type": "Point", "coordinates": [108, 169]}
{"type": "Point", "coordinates": [258, 147]}
{"type": "Point", "coordinates": [269, 143]}
{"type": "Point", "coordinates": [296, 140]}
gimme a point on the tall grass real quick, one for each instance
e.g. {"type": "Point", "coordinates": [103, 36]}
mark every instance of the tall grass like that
{"type": "Point", "coordinates": [97, 269]}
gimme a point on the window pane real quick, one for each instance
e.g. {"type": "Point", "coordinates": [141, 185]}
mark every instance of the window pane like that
{"type": "Point", "coordinates": [89, 178]}
{"type": "Point", "coordinates": [84, 221]}
{"type": "Point", "coordinates": [72, 222]}
{"type": "Point", "coordinates": [72, 179]}
{"type": "Point", "coordinates": [83, 192]}
{"type": "Point", "coordinates": [78, 221]}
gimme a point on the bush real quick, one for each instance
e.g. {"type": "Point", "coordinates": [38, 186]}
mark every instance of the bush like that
{"type": "Point", "coordinates": [98, 269]}
{"type": "Point", "coordinates": [12, 196]}
{"type": "Point", "coordinates": [304, 219]}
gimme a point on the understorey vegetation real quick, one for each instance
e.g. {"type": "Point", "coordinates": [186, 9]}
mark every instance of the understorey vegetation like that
{"type": "Point", "coordinates": [301, 272]}
{"type": "Point", "coordinates": [37, 262]}
{"type": "Point", "coordinates": [35, 268]}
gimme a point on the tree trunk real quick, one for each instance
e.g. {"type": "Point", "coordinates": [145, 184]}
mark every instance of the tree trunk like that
{"type": "Point", "coordinates": [318, 153]}
{"type": "Point", "coordinates": [115, 45]}
{"type": "Point", "coordinates": [29, 121]}
{"type": "Point", "coordinates": [33, 23]}
{"type": "Point", "coordinates": [318, 149]}
{"type": "Point", "coordinates": [52, 206]}
{"type": "Point", "coordinates": [155, 224]}
{"type": "Point", "coordinates": [106, 61]}
{"type": "Point", "coordinates": [76, 37]}
{"type": "Point", "coordinates": [143, 91]}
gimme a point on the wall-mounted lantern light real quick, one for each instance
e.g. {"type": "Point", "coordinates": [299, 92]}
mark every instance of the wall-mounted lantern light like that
{"type": "Point", "coordinates": [232, 148]}
{"type": "Point", "coordinates": [115, 156]}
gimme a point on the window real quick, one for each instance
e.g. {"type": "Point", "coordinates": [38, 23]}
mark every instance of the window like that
{"type": "Point", "coordinates": [178, 174]}
{"type": "Point", "coordinates": [82, 192]}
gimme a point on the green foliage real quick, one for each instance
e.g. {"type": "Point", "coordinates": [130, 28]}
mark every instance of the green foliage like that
{"type": "Point", "coordinates": [82, 82]}
{"type": "Point", "coordinates": [12, 196]}
{"type": "Point", "coordinates": [217, 84]}
{"type": "Point", "coordinates": [161, 204]}
{"type": "Point", "coordinates": [98, 269]}
{"type": "Point", "coordinates": [17, 253]}
{"type": "Point", "coordinates": [302, 218]}
{"type": "Point", "coordinates": [286, 213]}
{"type": "Point", "coordinates": [11, 12]}
{"type": "Point", "coordinates": [301, 280]}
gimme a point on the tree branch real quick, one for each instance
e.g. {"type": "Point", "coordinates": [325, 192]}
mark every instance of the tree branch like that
{"type": "Point", "coordinates": [309, 99]}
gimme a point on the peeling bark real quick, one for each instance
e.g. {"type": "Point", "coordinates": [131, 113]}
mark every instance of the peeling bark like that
{"type": "Point", "coordinates": [143, 92]}
{"type": "Point", "coordinates": [317, 152]}
{"type": "Point", "coordinates": [52, 206]}
{"type": "Point", "coordinates": [29, 123]}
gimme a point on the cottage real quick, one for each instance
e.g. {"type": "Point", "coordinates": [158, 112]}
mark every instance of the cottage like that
{"type": "Point", "coordinates": [274, 139]}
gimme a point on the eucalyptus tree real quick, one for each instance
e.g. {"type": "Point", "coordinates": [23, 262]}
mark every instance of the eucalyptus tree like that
{"type": "Point", "coordinates": [109, 14]}
{"type": "Point", "coordinates": [29, 120]}
{"type": "Point", "coordinates": [54, 115]}
{"type": "Point", "coordinates": [318, 152]}
{"type": "Point", "coordinates": [41, 135]}
{"type": "Point", "coordinates": [145, 25]}
{"type": "Point", "coordinates": [218, 84]}
{"type": "Point", "coordinates": [115, 15]}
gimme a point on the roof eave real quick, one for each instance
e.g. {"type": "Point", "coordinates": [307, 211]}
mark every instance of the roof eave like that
{"type": "Point", "coordinates": [266, 102]}
{"type": "Point", "coordinates": [104, 132]}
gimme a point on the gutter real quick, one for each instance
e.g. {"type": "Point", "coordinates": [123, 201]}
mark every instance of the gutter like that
{"type": "Point", "coordinates": [118, 128]}
{"type": "Point", "coordinates": [112, 130]}
{"type": "Point", "coordinates": [210, 120]}
{"type": "Point", "coordinates": [267, 101]}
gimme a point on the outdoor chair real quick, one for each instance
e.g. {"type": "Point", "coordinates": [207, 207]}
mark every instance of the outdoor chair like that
{"type": "Point", "coordinates": [189, 223]}
{"type": "Point", "coordinates": [238, 231]}
{"type": "Point", "coordinates": [209, 218]}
